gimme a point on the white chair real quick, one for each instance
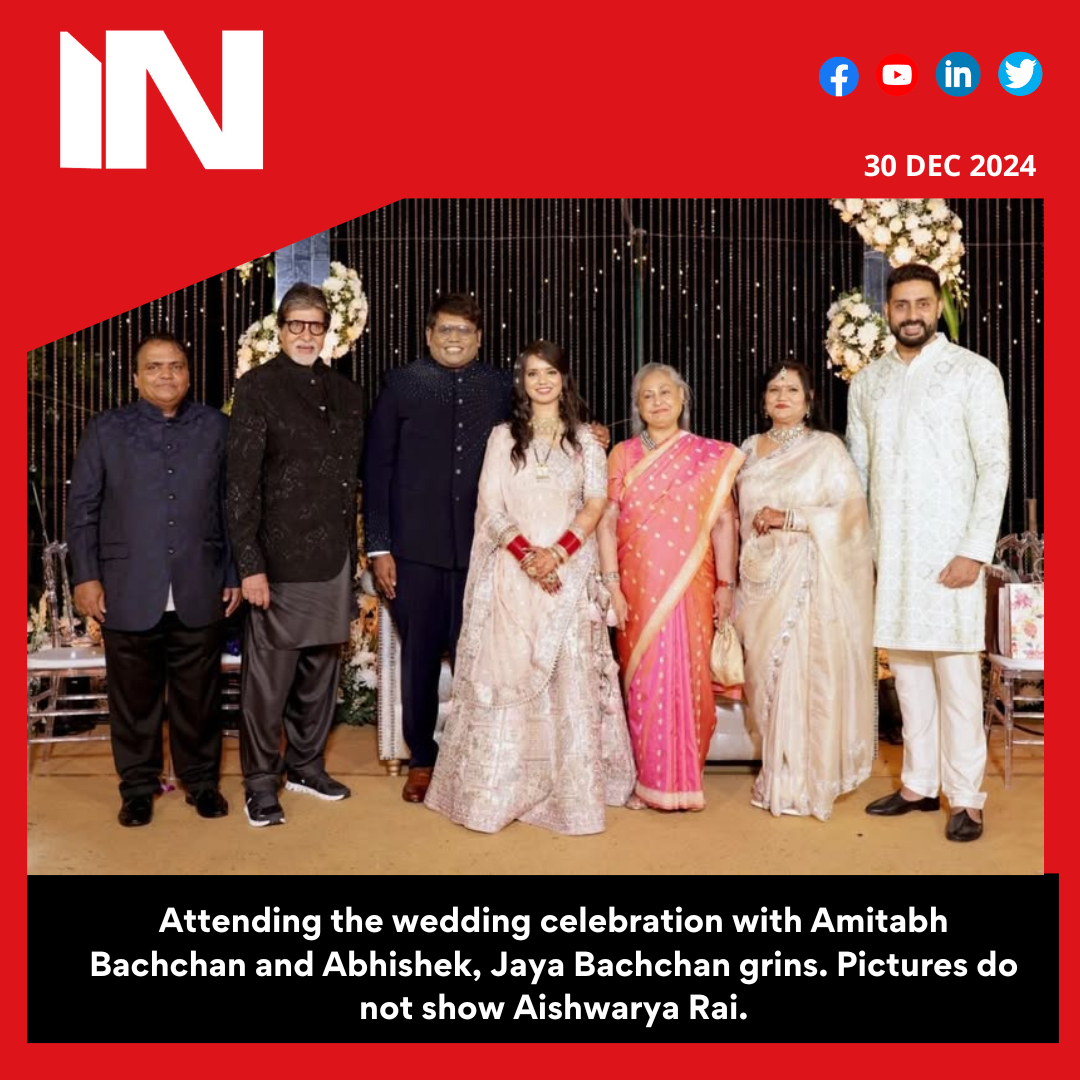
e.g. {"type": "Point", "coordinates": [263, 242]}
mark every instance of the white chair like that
{"type": "Point", "coordinates": [230, 694]}
{"type": "Point", "coordinates": [1017, 558]}
{"type": "Point", "coordinates": [1006, 676]}
{"type": "Point", "coordinates": [48, 695]}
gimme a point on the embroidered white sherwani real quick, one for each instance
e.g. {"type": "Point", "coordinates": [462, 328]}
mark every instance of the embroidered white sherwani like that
{"type": "Point", "coordinates": [931, 442]}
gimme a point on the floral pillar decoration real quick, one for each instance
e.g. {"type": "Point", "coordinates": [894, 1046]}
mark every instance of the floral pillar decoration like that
{"type": "Point", "coordinates": [896, 232]}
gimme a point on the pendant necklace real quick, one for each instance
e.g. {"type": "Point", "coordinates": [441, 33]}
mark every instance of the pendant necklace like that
{"type": "Point", "coordinates": [542, 471]}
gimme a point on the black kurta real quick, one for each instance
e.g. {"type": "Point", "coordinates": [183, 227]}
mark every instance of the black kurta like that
{"type": "Point", "coordinates": [294, 454]}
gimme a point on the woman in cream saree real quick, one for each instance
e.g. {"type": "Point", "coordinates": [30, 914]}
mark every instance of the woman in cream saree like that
{"type": "Point", "coordinates": [805, 606]}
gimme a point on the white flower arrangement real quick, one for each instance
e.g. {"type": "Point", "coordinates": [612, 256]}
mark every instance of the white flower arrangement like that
{"type": "Point", "coordinates": [359, 678]}
{"type": "Point", "coordinates": [37, 627]}
{"type": "Point", "coordinates": [258, 343]}
{"type": "Point", "coordinates": [857, 335]}
{"type": "Point", "coordinates": [348, 310]}
{"type": "Point", "coordinates": [245, 270]}
{"type": "Point", "coordinates": [914, 230]}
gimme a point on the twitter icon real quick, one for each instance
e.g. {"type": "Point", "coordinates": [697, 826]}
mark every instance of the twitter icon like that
{"type": "Point", "coordinates": [1020, 73]}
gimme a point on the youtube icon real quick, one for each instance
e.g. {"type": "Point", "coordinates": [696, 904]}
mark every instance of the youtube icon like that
{"type": "Point", "coordinates": [897, 74]}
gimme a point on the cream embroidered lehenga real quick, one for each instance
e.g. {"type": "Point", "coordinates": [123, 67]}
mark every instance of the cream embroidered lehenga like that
{"type": "Point", "coordinates": [804, 612]}
{"type": "Point", "coordinates": [537, 731]}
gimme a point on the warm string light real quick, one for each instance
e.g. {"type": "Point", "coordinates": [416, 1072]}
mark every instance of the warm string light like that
{"type": "Point", "coordinates": [727, 287]}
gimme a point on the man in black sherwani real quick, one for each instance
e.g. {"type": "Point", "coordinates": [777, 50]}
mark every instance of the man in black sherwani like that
{"type": "Point", "coordinates": [422, 461]}
{"type": "Point", "coordinates": [151, 562]}
{"type": "Point", "coordinates": [294, 453]}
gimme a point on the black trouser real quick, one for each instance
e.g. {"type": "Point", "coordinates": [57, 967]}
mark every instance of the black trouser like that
{"type": "Point", "coordinates": [141, 666]}
{"type": "Point", "coordinates": [427, 613]}
{"type": "Point", "coordinates": [294, 689]}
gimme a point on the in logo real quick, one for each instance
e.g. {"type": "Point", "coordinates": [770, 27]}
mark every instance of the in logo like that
{"type": "Point", "coordinates": [957, 73]}
{"type": "Point", "coordinates": [131, 55]}
{"type": "Point", "coordinates": [838, 76]}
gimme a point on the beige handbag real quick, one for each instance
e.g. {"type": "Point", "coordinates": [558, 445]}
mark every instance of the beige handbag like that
{"type": "Point", "coordinates": [726, 660]}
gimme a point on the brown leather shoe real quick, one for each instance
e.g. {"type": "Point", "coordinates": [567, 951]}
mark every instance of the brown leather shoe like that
{"type": "Point", "coordinates": [416, 785]}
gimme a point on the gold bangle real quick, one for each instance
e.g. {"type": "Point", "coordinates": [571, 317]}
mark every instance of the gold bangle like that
{"type": "Point", "coordinates": [560, 553]}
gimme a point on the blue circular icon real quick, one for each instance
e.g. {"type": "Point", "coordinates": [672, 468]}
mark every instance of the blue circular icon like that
{"type": "Point", "coordinates": [957, 73]}
{"type": "Point", "coordinates": [1020, 73]}
{"type": "Point", "coordinates": [838, 76]}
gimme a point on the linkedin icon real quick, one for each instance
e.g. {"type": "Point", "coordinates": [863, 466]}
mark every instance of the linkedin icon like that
{"type": "Point", "coordinates": [957, 74]}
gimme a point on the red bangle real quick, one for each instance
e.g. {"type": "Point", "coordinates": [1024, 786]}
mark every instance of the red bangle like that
{"type": "Point", "coordinates": [519, 547]}
{"type": "Point", "coordinates": [569, 542]}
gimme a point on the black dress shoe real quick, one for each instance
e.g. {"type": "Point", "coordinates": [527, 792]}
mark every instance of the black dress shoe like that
{"type": "Point", "coordinates": [209, 802]}
{"type": "Point", "coordinates": [137, 810]}
{"type": "Point", "coordinates": [963, 827]}
{"type": "Point", "coordinates": [894, 804]}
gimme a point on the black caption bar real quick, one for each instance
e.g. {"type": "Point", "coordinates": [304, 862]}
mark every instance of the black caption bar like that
{"type": "Point", "coordinates": [703, 959]}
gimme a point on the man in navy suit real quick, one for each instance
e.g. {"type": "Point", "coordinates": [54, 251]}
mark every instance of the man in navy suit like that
{"type": "Point", "coordinates": [422, 459]}
{"type": "Point", "coordinates": [151, 560]}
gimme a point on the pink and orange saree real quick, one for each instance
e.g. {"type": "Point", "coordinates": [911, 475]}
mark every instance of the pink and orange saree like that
{"type": "Point", "coordinates": [669, 499]}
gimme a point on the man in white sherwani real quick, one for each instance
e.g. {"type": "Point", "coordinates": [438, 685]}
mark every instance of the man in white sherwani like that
{"type": "Point", "coordinates": [928, 428]}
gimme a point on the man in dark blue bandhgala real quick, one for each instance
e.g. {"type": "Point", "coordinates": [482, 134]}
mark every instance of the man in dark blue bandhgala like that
{"type": "Point", "coordinates": [424, 451]}
{"type": "Point", "coordinates": [151, 562]}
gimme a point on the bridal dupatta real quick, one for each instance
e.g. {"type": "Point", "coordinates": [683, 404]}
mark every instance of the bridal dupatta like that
{"type": "Point", "coordinates": [669, 499]}
{"type": "Point", "coordinates": [804, 612]}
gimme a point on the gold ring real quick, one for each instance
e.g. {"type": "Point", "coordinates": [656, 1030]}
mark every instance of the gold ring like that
{"type": "Point", "coordinates": [531, 571]}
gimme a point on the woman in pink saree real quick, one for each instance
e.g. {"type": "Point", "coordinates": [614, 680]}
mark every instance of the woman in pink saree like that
{"type": "Point", "coordinates": [668, 550]}
{"type": "Point", "coordinates": [805, 605]}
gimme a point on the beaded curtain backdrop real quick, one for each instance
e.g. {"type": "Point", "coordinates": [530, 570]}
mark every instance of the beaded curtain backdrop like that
{"type": "Point", "coordinates": [717, 288]}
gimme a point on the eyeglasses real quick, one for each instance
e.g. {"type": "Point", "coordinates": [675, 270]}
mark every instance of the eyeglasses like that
{"type": "Point", "coordinates": [296, 326]}
{"type": "Point", "coordinates": [461, 331]}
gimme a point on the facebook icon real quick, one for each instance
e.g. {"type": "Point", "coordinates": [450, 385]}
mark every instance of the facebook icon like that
{"type": "Point", "coordinates": [838, 76]}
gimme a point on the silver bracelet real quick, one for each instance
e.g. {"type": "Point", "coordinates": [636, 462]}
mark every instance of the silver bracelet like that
{"type": "Point", "coordinates": [610, 576]}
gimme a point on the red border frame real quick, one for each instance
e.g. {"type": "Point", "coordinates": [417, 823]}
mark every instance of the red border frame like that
{"type": "Point", "coordinates": [556, 100]}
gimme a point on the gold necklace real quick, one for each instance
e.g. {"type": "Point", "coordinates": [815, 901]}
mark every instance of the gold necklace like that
{"type": "Point", "coordinates": [547, 428]}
